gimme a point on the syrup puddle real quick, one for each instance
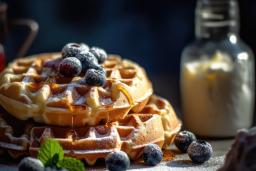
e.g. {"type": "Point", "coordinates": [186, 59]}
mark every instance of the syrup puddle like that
{"type": "Point", "coordinates": [168, 155]}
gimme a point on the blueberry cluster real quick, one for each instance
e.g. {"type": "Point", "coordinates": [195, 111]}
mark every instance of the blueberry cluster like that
{"type": "Point", "coordinates": [199, 151]}
{"type": "Point", "coordinates": [79, 58]}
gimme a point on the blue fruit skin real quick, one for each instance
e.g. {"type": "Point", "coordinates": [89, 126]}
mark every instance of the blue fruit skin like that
{"type": "Point", "coordinates": [183, 139]}
{"type": "Point", "coordinates": [95, 77]}
{"type": "Point", "coordinates": [70, 67]}
{"type": "Point", "coordinates": [30, 164]}
{"type": "Point", "coordinates": [99, 53]}
{"type": "Point", "coordinates": [72, 49]}
{"type": "Point", "coordinates": [200, 151]}
{"type": "Point", "coordinates": [88, 60]}
{"type": "Point", "coordinates": [117, 161]}
{"type": "Point", "coordinates": [152, 155]}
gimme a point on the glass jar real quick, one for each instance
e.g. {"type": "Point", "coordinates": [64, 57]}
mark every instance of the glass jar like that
{"type": "Point", "coordinates": [217, 73]}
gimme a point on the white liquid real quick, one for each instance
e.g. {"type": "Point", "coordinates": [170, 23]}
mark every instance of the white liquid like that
{"type": "Point", "coordinates": [216, 96]}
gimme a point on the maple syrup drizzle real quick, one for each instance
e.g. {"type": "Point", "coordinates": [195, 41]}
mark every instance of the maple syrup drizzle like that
{"type": "Point", "coordinates": [73, 131]}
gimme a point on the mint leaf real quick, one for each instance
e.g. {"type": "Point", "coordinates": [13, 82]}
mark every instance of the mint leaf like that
{"type": "Point", "coordinates": [50, 153]}
{"type": "Point", "coordinates": [71, 164]}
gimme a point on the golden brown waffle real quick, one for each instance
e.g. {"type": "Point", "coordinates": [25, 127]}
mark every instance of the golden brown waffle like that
{"type": "Point", "coordinates": [29, 90]}
{"type": "Point", "coordinates": [130, 135]}
{"type": "Point", "coordinates": [156, 123]}
{"type": "Point", "coordinates": [171, 123]}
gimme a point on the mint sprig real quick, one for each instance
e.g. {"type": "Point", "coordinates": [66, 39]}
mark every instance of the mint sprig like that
{"type": "Point", "coordinates": [71, 164]}
{"type": "Point", "coordinates": [51, 154]}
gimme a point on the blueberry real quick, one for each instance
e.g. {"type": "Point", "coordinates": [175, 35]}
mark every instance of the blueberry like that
{"type": "Point", "coordinates": [72, 49]}
{"type": "Point", "coordinates": [200, 151]}
{"type": "Point", "coordinates": [117, 161]}
{"type": "Point", "coordinates": [95, 77]}
{"type": "Point", "coordinates": [84, 46]}
{"type": "Point", "coordinates": [183, 139]}
{"type": "Point", "coordinates": [88, 60]}
{"type": "Point", "coordinates": [30, 164]}
{"type": "Point", "coordinates": [152, 154]}
{"type": "Point", "coordinates": [99, 53]}
{"type": "Point", "coordinates": [70, 67]}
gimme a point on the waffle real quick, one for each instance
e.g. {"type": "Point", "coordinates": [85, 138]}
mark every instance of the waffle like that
{"type": "Point", "coordinates": [29, 90]}
{"type": "Point", "coordinates": [156, 123]}
{"type": "Point", "coordinates": [171, 123]}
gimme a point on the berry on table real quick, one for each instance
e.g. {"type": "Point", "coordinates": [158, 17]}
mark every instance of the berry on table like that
{"type": "Point", "coordinates": [183, 139]}
{"type": "Point", "coordinates": [88, 60]}
{"type": "Point", "coordinates": [30, 164]}
{"type": "Point", "coordinates": [72, 49]}
{"type": "Point", "coordinates": [152, 154]}
{"type": "Point", "coordinates": [70, 67]}
{"type": "Point", "coordinates": [117, 161]}
{"type": "Point", "coordinates": [200, 151]}
{"type": "Point", "coordinates": [99, 53]}
{"type": "Point", "coordinates": [95, 77]}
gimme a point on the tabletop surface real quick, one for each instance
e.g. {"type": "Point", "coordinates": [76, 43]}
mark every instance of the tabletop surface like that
{"type": "Point", "coordinates": [180, 162]}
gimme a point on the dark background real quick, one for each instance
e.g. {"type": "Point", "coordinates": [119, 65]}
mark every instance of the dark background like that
{"type": "Point", "coordinates": [152, 33]}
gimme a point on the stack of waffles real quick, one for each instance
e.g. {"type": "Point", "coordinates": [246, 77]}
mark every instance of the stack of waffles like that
{"type": "Point", "coordinates": [88, 121]}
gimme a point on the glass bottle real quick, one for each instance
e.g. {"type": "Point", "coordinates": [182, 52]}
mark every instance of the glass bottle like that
{"type": "Point", "coordinates": [217, 73]}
